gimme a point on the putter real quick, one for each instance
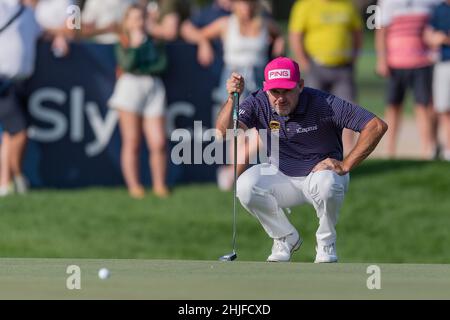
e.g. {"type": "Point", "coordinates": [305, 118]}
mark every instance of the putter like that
{"type": "Point", "coordinates": [233, 255]}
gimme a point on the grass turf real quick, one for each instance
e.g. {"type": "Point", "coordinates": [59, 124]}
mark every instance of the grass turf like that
{"type": "Point", "coordinates": [190, 280]}
{"type": "Point", "coordinates": [394, 212]}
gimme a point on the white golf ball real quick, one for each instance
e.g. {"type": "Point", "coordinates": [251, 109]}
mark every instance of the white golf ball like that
{"type": "Point", "coordinates": [103, 273]}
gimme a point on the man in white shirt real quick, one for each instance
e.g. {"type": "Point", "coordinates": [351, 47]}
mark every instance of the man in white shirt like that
{"type": "Point", "coordinates": [19, 32]}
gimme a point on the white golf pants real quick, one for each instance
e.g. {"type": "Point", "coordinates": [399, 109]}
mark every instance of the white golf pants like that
{"type": "Point", "coordinates": [265, 191]}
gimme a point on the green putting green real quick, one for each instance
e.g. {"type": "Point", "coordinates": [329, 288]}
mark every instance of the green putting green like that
{"type": "Point", "coordinates": [206, 280]}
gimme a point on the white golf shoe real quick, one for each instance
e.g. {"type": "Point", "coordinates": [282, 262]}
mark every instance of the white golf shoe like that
{"type": "Point", "coordinates": [326, 254]}
{"type": "Point", "coordinates": [283, 247]}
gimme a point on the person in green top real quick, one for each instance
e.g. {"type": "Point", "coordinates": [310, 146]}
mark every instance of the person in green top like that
{"type": "Point", "coordinates": [140, 98]}
{"type": "Point", "coordinates": [147, 58]}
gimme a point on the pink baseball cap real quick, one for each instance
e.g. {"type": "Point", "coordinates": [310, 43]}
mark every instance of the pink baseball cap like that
{"type": "Point", "coordinates": [281, 73]}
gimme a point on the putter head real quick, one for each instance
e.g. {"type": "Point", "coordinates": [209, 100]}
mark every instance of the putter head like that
{"type": "Point", "coordinates": [229, 257]}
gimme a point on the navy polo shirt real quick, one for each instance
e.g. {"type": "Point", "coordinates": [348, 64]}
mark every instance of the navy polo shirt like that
{"type": "Point", "coordinates": [312, 133]}
{"type": "Point", "coordinates": [440, 21]}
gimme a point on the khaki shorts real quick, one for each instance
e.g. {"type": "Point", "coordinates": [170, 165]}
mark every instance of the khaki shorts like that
{"type": "Point", "coordinates": [143, 95]}
{"type": "Point", "coordinates": [441, 86]}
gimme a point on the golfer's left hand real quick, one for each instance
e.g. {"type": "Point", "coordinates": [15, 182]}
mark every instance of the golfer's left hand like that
{"type": "Point", "coordinates": [331, 164]}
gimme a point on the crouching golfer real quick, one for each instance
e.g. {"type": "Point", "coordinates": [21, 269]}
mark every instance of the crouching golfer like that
{"type": "Point", "coordinates": [308, 166]}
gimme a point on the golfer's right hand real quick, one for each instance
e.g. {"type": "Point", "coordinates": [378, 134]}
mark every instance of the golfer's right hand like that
{"type": "Point", "coordinates": [235, 84]}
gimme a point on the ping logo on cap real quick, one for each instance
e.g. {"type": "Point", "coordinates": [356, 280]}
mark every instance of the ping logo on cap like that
{"type": "Point", "coordinates": [279, 74]}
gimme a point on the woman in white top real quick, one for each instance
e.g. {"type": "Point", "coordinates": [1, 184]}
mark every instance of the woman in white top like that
{"type": "Point", "coordinates": [247, 35]}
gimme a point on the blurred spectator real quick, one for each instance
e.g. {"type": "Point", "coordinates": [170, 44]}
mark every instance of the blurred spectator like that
{"type": "Point", "coordinates": [140, 98]}
{"type": "Point", "coordinates": [204, 17]}
{"type": "Point", "coordinates": [101, 19]}
{"type": "Point", "coordinates": [325, 37]}
{"type": "Point", "coordinates": [247, 35]}
{"type": "Point", "coordinates": [165, 18]}
{"type": "Point", "coordinates": [437, 35]}
{"type": "Point", "coordinates": [403, 58]}
{"type": "Point", "coordinates": [207, 15]}
{"type": "Point", "coordinates": [19, 32]}
{"type": "Point", "coordinates": [52, 16]}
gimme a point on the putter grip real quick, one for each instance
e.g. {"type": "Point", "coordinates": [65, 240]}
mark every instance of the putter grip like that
{"type": "Point", "coordinates": [235, 106]}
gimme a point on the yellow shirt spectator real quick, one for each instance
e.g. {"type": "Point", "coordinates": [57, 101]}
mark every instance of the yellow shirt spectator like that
{"type": "Point", "coordinates": [327, 26]}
